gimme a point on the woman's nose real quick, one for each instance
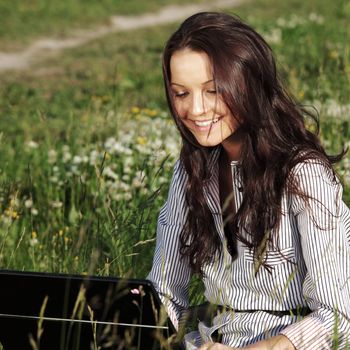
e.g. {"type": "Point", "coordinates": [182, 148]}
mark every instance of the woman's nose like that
{"type": "Point", "coordinates": [198, 105]}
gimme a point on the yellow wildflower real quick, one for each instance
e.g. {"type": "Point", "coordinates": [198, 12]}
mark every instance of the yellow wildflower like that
{"type": "Point", "coordinates": [135, 110]}
{"type": "Point", "coordinates": [150, 112]}
{"type": "Point", "coordinates": [141, 140]}
{"type": "Point", "coordinates": [334, 54]}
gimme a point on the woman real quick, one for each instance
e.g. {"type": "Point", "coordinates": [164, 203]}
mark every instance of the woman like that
{"type": "Point", "coordinates": [254, 205]}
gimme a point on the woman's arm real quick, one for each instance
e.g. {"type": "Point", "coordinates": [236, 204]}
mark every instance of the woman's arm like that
{"type": "Point", "coordinates": [171, 273]}
{"type": "Point", "coordinates": [324, 225]}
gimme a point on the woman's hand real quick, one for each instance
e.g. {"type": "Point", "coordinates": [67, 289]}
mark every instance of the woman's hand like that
{"type": "Point", "coordinates": [279, 342]}
{"type": "Point", "coordinates": [215, 346]}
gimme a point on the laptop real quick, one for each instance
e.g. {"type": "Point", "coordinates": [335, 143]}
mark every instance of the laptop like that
{"type": "Point", "coordinates": [44, 311]}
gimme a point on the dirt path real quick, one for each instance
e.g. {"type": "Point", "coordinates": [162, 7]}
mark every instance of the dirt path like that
{"type": "Point", "coordinates": [43, 48]}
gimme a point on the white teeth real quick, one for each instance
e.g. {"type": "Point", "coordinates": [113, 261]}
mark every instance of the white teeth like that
{"type": "Point", "coordinates": [203, 123]}
{"type": "Point", "coordinates": [206, 123]}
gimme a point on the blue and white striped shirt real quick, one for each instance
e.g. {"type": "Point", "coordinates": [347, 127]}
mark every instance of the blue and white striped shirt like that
{"type": "Point", "coordinates": [312, 271]}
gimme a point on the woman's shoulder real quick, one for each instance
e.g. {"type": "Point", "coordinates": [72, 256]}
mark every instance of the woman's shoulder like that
{"type": "Point", "coordinates": [312, 167]}
{"type": "Point", "coordinates": [179, 180]}
{"type": "Point", "coordinates": [179, 172]}
{"type": "Point", "coordinates": [173, 212]}
{"type": "Point", "coordinates": [178, 166]}
{"type": "Point", "coordinates": [315, 182]}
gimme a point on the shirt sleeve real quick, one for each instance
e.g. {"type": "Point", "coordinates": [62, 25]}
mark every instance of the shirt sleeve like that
{"type": "Point", "coordinates": [170, 272]}
{"type": "Point", "coordinates": [324, 224]}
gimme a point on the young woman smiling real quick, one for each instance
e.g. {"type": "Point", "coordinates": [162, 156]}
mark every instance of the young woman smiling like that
{"type": "Point", "coordinates": [254, 205]}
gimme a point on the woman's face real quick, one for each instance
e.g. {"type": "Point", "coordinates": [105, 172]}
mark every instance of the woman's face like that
{"type": "Point", "coordinates": [198, 105]}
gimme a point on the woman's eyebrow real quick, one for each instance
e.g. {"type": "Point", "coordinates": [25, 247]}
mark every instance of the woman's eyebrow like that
{"type": "Point", "coordinates": [209, 81]}
{"type": "Point", "coordinates": [177, 84]}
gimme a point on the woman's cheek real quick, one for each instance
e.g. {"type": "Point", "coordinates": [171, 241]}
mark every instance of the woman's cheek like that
{"type": "Point", "coordinates": [181, 111]}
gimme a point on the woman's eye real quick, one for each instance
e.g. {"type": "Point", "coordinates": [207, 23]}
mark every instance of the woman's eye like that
{"type": "Point", "coordinates": [180, 94]}
{"type": "Point", "coordinates": [211, 91]}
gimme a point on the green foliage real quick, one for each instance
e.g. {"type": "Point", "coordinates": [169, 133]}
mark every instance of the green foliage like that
{"type": "Point", "coordinates": [86, 205]}
{"type": "Point", "coordinates": [22, 21]}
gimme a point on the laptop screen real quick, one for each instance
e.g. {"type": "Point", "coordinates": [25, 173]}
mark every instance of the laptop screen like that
{"type": "Point", "coordinates": [63, 312]}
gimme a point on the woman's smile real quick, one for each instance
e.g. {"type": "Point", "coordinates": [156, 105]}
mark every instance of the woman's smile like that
{"type": "Point", "coordinates": [206, 125]}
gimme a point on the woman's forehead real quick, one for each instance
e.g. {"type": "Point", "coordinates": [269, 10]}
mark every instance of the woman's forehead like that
{"type": "Point", "coordinates": [190, 67]}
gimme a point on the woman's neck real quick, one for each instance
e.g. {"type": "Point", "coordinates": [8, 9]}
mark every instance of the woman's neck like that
{"type": "Point", "coordinates": [233, 144]}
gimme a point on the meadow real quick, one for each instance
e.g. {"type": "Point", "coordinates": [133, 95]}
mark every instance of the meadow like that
{"type": "Point", "coordinates": [23, 21]}
{"type": "Point", "coordinates": [87, 144]}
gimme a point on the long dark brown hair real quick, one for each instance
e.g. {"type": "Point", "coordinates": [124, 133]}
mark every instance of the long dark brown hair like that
{"type": "Point", "coordinates": [275, 136]}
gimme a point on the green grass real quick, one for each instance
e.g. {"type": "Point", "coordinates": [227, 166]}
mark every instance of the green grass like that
{"type": "Point", "coordinates": [22, 21]}
{"type": "Point", "coordinates": [73, 199]}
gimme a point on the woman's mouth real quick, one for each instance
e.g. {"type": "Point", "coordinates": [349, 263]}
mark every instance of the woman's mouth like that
{"type": "Point", "coordinates": [205, 125]}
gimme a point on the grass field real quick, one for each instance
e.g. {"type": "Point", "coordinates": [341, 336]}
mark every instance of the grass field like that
{"type": "Point", "coordinates": [22, 21]}
{"type": "Point", "coordinates": [87, 145]}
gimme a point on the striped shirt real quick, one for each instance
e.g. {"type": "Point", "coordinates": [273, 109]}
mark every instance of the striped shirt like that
{"type": "Point", "coordinates": [311, 270]}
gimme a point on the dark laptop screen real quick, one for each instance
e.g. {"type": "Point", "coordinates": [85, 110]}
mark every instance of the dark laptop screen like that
{"type": "Point", "coordinates": [67, 312]}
